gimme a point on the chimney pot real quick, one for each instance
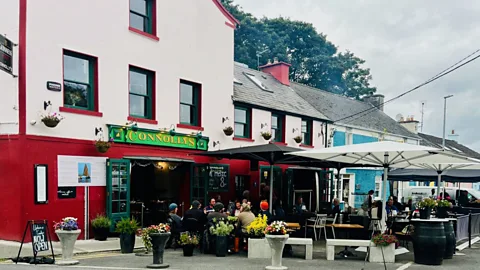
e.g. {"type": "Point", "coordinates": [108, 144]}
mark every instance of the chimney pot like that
{"type": "Point", "coordinates": [269, 61]}
{"type": "Point", "coordinates": [453, 131]}
{"type": "Point", "coordinates": [275, 60]}
{"type": "Point", "coordinates": [279, 70]}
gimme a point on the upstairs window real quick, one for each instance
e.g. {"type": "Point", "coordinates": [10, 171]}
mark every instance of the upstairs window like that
{"type": "Point", "coordinates": [142, 15]}
{"type": "Point", "coordinates": [79, 73]}
{"type": "Point", "coordinates": [277, 128]}
{"type": "Point", "coordinates": [307, 132]}
{"type": "Point", "coordinates": [256, 81]}
{"type": "Point", "coordinates": [242, 122]}
{"type": "Point", "coordinates": [141, 90]}
{"type": "Point", "coordinates": [190, 103]}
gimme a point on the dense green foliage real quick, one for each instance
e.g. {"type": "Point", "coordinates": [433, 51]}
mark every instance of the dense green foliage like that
{"type": "Point", "coordinates": [315, 60]}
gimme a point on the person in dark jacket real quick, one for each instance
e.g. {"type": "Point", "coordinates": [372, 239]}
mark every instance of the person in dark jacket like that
{"type": "Point", "coordinates": [173, 208]}
{"type": "Point", "coordinates": [336, 207]}
{"type": "Point", "coordinates": [194, 213]}
{"type": "Point", "coordinates": [217, 214]}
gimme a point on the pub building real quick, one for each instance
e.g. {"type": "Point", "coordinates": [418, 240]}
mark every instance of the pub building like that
{"type": "Point", "coordinates": [160, 92]}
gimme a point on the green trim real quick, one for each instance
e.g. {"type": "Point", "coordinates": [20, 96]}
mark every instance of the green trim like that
{"type": "Point", "coordinates": [147, 18]}
{"type": "Point", "coordinates": [148, 113]}
{"type": "Point", "coordinates": [280, 119]}
{"type": "Point", "coordinates": [92, 61]}
{"type": "Point", "coordinates": [122, 186]}
{"type": "Point", "coordinates": [246, 125]}
{"type": "Point", "coordinates": [308, 133]}
{"type": "Point", "coordinates": [195, 102]}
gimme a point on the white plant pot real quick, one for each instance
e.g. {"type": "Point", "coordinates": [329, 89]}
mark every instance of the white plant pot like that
{"type": "Point", "coordinates": [376, 255]}
{"type": "Point", "coordinates": [259, 249]}
{"type": "Point", "coordinates": [67, 240]}
{"type": "Point", "coordinates": [277, 243]}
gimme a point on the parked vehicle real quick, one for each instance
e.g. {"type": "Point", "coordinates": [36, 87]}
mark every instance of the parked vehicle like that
{"type": "Point", "coordinates": [418, 193]}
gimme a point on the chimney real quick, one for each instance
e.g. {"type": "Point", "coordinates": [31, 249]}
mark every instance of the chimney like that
{"type": "Point", "coordinates": [409, 123]}
{"type": "Point", "coordinates": [375, 100]}
{"type": "Point", "coordinates": [453, 136]}
{"type": "Point", "coordinates": [279, 70]}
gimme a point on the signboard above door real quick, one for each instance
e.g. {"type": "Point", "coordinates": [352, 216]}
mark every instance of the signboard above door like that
{"type": "Point", "coordinates": [151, 137]}
{"type": "Point", "coordinates": [6, 55]}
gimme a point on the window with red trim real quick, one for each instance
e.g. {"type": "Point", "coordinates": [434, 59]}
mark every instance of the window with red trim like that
{"type": "Point", "coordinates": [141, 93]}
{"type": "Point", "coordinates": [142, 15]}
{"type": "Point", "coordinates": [190, 110]}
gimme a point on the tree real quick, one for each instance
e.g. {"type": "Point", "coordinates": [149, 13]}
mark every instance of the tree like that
{"type": "Point", "coordinates": [315, 60]}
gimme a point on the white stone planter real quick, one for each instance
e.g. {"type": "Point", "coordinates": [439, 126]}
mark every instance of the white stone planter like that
{"type": "Point", "coordinates": [67, 240]}
{"type": "Point", "coordinates": [277, 243]}
{"type": "Point", "coordinates": [376, 255]}
{"type": "Point", "coordinates": [259, 249]}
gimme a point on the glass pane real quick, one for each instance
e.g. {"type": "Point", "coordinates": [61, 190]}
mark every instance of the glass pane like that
{"type": "Point", "coordinates": [114, 207]}
{"type": "Point", "coordinates": [139, 6]}
{"type": "Point", "coordinates": [75, 94]}
{"type": "Point", "coordinates": [274, 121]}
{"type": "Point", "coordinates": [186, 93]}
{"type": "Point", "coordinates": [76, 69]}
{"type": "Point", "coordinates": [240, 116]}
{"type": "Point", "coordinates": [185, 114]}
{"type": "Point", "coordinates": [137, 22]}
{"type": "Point", "coordinates": [239, 130]}
{"type": "Point", "coordinates": [304, 126]}
{"type": "Point", "coordinates": [123, 206]}
{"type": "Point", "coordinates": [138, 83]}
{"type": "Point", "coordinates": [137, 105]}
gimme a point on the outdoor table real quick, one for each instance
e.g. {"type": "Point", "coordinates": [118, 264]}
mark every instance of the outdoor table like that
{"type": "Point", "coordinates": [346, 228]}
{"type": "Point", "coordinates": [292, 225]}
{"type": "Point", "coordinates": [429, 241]}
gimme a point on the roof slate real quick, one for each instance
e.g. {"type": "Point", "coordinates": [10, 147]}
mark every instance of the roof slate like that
{"type": "Point", "coordinates": [433, 141]}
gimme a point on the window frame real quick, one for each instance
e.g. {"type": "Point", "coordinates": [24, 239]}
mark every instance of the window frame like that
{"type": "Point", "coordinates": [280, 127]}
{"type": "Point", "coordinates": [150, 10]}
{"type": "Point", "coordinates": [247, 125]}
{"type": "Point", "coordinates": [197, 101]}
{"type": "Point", "coordinates": [92, 98]}
{"type": "Point", "coordinates": [150, 106]}
{"type": "Point", "coordinates": [309, 131]}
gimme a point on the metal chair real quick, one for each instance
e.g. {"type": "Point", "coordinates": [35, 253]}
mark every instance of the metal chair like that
{"type": "Point", "coordinates": [320, 221]}
{"type": "Point", "coordinates": [331, 225]}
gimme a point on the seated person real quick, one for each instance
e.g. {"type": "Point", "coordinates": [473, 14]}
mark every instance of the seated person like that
{"type": "Point", "coordinates": [390, 208]}
{"type": "Point", "coordinates": [216, 214]}
{"type": "Point", "coordinates": [300, 207]}
{"type": "Point", "coordinates": [278, 210]}
{"type": "Point", "coordinates": [236, 210]}
{"type": "Point", "coordinates": [209, 207]}
{"type": "Point", "coordinates": [409, 204]}
{"type": "Point", "coordinates": [264, 211]}
{"type": "Point", "coordinates": [173, 208]}
{"type": "Point", "coordinates": [397, 204]}
{"type": "Point", "coordinates": [336, 208]}
{"type": "Point", "coordinates": [245, 218]}
{"type": "Point", "coordinates": [194, 213]}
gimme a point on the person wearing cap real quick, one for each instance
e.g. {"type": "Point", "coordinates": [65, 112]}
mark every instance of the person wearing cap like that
{"type": "Point", "coordinates": [173, 208]}
{"type": "Point", "coordinates": [264, 211]}
{"type": "Point", "coordinates": [217, 214]}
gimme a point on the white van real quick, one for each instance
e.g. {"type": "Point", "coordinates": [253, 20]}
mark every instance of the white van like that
{"type": "Point", "coordinates": [418, 193]}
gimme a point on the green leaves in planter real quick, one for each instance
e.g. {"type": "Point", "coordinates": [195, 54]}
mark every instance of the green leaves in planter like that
{"type": "Point", "coordinates": [127, 226]}
{"type": "Point", "coordinates": [221, 229]}
{"type": "Point", "coordinates": [101, 221]}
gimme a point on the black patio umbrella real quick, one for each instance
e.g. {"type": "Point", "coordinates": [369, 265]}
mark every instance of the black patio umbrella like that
{"type": "Point", "coordinates": [453, 176]}
{"type": "Point", "coordinates": [275, 154]}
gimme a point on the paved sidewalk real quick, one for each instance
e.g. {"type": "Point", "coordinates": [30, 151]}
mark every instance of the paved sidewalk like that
{"type": "Point", "coordinates": [9, 249]}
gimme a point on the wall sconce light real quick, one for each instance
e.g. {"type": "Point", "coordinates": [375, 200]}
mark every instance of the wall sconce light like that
{"type": "Point", "coordinates": [98, 130]}
{"type": "Point", "coordinates": [295, 129]}
{"type": "Point", "coordinates": [132, 124]}
{"type": "Point", "coordinates": [217, 143]}
{"type": "Point", "coordinates": [46, 104]}
{"type": "Point", "coordinates": [172, 130]}
{"type": "Point", "coordinates": [224, 119]}
{"type": "Point", "coordinates": [263, 125]}
{"type": "Point", "coordinates": [320, 134]}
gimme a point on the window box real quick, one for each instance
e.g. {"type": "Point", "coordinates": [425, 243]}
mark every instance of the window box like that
{"type": "Point", "coordinates": [142, 120]}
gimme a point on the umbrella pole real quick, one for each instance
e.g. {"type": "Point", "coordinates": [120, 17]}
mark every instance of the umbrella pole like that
{"type": "Point", "coordinates": [439, 180]}
{"type": "Point", "coordinates": [271, 188]}
{"type": "Point", "coordinates": [384, 191]}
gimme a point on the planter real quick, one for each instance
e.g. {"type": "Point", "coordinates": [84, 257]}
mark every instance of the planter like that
{"type": "Point", "coordinates": [101, 234]}
{"type": "Point", "coordinates": [127, 242]}
{"type": "Point", "coordinates": [188, 250]}
{"type": "Point", "coordinates": [451, 241]}
{"type": "Point", "coordinates": [50, 122]}
{"type": "Point", "coordinates": [221, 246]}
{"type": "Point", "coordinates": [259, 248]}
{"type": "Point", "coordinates": [228, 131]}
{"type": "Point", "coordinates": [266, 136]}
{"type": "Point", "coordinates": [158, 247]}
{"type": "Point", "coordinates": [103, 147]}
{"type": "Point", "coordinates": [277, 243]}
{"type": "Point", "coordinates": [425, 213]}
{"type": "Point", "coordinates": [442, 212]}
{"type": "Point", "coordinates": [67, 240]}
{"type": "Point", "coordinates": [378, 253]}
{"type": "Point", "coordinates": [298, 139]}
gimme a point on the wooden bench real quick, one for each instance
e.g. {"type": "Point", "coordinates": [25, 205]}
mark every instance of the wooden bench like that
{"type": "Point", "coordinates": [307, 242]}
{"type": "Point", "coordinates": [332, 243]}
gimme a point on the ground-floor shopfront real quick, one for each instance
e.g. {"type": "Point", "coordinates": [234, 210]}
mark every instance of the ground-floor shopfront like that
{"type": "Point", "coordinates": [139, 176]}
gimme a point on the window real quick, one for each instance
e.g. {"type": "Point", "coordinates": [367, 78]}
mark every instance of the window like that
{"type": "Point", "coordinates": [190, 103]}
{"type": "Point", "coordinates": [142, 15]}
{"type": "Point", "coordinates": [79, 73]}
{"type": "Point", "coordinates": [256, 81]}
{"type": "Point", "coordinates": [141, 91]}
{"type": "Point", "coordinates": [307, 132]}
{"type": "Point", "coordinates": [242, 122]}
{"type": "Point", "coordinates": [277, 128]}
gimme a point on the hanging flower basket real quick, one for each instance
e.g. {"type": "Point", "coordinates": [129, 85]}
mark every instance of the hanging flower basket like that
{"type": "Point", "coordinates": [298, 139]}
{"type": "Point", "coordinates": [51, 120]}
{"type": "Point", "coordinates": [266, 135]}
{"type": "Point", "coordinates": [228, 131]}
{"type": "Point", "coordinates": [102, 146]}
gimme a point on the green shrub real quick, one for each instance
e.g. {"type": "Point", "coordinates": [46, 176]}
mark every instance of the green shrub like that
{"type": "Point", "coordinates": [221, 229]}
{"type": "Point", "coordinates": [127, 225]}
{"type": "Point", "coordinates": [101, 221]}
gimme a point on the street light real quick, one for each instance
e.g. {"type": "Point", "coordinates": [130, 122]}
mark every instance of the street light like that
{"type": "Point", "coordinates": [443, 138]}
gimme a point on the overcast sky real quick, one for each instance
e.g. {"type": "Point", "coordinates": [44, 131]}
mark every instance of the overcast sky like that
{"type": "Point", "coordinates": [404, 43]}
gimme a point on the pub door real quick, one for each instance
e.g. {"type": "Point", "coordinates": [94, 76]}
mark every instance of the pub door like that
{"type": "Point", "coordinates": [118, 190]}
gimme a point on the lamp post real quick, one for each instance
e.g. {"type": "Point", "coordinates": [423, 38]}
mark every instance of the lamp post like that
{"type": "Point", "coordinates": [443, 139]}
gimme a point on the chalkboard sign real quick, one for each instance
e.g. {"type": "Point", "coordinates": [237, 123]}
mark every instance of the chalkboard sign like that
{"type": "Point", "coordinates": [67, 192]}
{"type": "Point", "coordinates": [218, 178]}
{"type": "Point", "coordinates": [39, 237]}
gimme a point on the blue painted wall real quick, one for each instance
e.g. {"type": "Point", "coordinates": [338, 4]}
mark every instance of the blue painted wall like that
{"type": "Point", "coordinates": [366, 180]}
{"type": "Point", "coordinates": [339, 138]}
{"type": "Point", "coordinates": [357, 139]}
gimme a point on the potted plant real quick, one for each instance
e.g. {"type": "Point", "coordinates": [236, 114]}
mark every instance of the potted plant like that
{"type": "Point", "coordinates": [159, 235]}
{"type": "Point", "coordinates": [298, 139]}
{"type": "Point", "coordinates": [127, 228]}
{"type": "Point", "coordinates": [103, 146]}
{"type": "Point", "coordinates": [147, 243]}
{"type": "Point", "coordinates": [221, 230]}
{"type": "Point", "coordinates": [267, 135]}
{"type": "Point", "coordinates": [276, 234]}
{"type": "Point", "coordinates": [51, 120]}
{"type": "Point", "coordinates": [67, 231]}
{"type": "Point", "coordinates": [188, 242]}
{"type": "Point", "coordinates": [425, 207]}
{"type": "Point", "coordinates": [232, 220]}
{"type": "Point", "coordinates": [101, 227]}
{"type": "Point", "coordinates": [258, 246]}
{"type": "Point", "coordinates": [384, 248]}
{"type": "Point", "coordinates": [228, 131]}
{"type": "Point", "coordinates": [442, 208]}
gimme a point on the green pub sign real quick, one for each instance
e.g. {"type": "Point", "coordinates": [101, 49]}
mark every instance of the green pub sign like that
{"type": "Point", "coordinates": [133, 135]}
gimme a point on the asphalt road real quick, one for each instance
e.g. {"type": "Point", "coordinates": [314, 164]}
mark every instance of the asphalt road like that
{"type": "Point", "coordinates": [465, 260]}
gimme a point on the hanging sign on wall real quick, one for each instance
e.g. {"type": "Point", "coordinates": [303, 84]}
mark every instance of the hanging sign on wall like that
{"type": "Point", "coordinates": [78, 171]}
{"type": "Point", "coordinates": [218, 177]}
